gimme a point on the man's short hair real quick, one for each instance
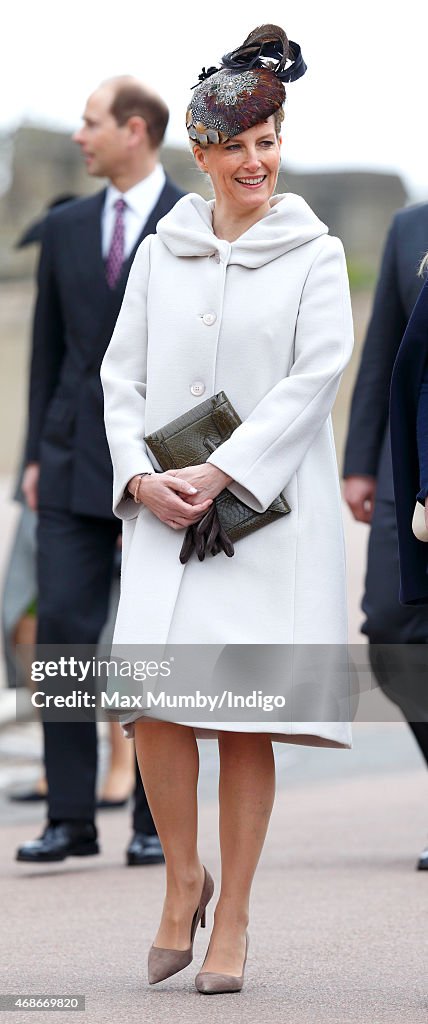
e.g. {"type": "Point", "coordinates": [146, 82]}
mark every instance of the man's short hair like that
{"type": "Point", "coordinates": [132, 100]}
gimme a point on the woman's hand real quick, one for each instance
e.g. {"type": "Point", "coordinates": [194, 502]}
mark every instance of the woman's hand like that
{"type": "Point", "coordinates": [208, 480]}
{"type": "Point", "coordinates": [173, 500]}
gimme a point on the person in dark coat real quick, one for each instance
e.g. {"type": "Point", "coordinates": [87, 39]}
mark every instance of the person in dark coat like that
{"type": "Point", "coordinates": [409, 442]}
{"type": "Point", "coordinates": [34, 232]}
{"type": "Point", "coordinates": [19, 587]}
{"type": "Point", "coordinates": [19, 606]}
{"type": "Point", "coordinates": [390, 627]}
{"type": "Point", "coordinates": [87, 251]}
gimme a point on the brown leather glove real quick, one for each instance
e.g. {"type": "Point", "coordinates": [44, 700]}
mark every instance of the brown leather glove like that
{"type": "Point", "coordinates": [205, 537]}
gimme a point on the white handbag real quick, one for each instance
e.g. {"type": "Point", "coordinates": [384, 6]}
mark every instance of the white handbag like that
{"type": "Point", "coordinates": [418, 523]}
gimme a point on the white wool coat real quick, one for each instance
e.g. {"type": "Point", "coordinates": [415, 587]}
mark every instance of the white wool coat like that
{"type": "Point", "coordinates": [267, 319]}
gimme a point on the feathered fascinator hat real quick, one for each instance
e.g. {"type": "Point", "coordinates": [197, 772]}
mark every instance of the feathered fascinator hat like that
{"type": "Point", "coordinates": [247, 87]}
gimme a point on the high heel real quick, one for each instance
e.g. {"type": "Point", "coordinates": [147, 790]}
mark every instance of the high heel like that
{"type": "Point", "coordinates": [163, 963]}
{"type": "Point", "coordinates": [211, 983]}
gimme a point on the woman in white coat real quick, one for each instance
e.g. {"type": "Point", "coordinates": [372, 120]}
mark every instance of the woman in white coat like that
{"type": "Point", "coordinates": [247, 294]}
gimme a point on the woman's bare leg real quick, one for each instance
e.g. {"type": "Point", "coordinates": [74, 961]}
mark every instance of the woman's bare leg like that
{"type": "Point", "coordinates": [246, 795]}
{"type": "Point", "coordinates": [168, 757]}
{"type": "Point", "coordinates": [120, 779]}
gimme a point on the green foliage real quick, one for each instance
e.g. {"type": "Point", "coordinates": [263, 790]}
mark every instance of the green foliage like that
{"type": "Point", "coordinates": [362, 275]}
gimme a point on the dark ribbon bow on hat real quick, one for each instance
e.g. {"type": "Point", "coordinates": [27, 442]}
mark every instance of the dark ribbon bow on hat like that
{"type": "Point", "coordinates": [263, 46]}
{"type": "Point", "coordinates": [268, 41]}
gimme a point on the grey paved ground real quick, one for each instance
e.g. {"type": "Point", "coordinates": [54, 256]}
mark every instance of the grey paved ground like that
{"type": "Point", "coordinates": [338, 922]}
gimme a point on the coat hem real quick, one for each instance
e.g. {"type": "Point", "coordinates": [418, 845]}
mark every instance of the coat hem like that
{"type": "Point", "coordinates": [202, 731]}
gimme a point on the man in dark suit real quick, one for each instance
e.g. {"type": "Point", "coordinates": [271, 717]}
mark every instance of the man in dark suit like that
{"type": "Point", "coordinates": [368, 487]}
{"type": "Point", "coordinates": [87, 251]}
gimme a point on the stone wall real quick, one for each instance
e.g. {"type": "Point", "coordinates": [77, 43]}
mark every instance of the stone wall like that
{"type": "Point", "coordinates": [357, 206]}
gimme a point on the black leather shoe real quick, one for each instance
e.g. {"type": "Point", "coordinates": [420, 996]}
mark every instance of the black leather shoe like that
{"type": "Point", "coordinates": [422, 864]}
{"type": "Point", "coordinates": [144, 849]}
{"type": "Point", "coordinates": [61, 840]}
{"type": "Point", "coordinates": [104, 804]}
{"type": "Point", "coordinates": [30, 796]}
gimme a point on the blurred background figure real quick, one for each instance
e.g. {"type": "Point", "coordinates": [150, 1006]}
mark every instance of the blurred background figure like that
{"type": "Point", "coordinates": [19, 597]}
{"type": "Point", "coordinates": [19, 611]}
{"type": "Point", "coordinates": [35, 230]}
{"type": "Point", "coordinates": [368, 487]}
{"type": "Point", "coordinates": [409, 445]}
{"type": "Point", "coordinates": [87, 251]}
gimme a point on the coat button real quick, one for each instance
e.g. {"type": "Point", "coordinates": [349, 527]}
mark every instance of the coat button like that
{"type": "Point", "coordinates": [209, 319]}
{"type": "Point", "coordinates": [217, 257]}
{"type": "Point", "coordinates": [197, 388]}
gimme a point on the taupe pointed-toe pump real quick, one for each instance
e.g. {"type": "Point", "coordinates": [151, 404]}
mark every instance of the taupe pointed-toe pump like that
{"type": "Point", "coordinates": [163, 963]}
{"type": "Point", "coordinates": [210, 983]}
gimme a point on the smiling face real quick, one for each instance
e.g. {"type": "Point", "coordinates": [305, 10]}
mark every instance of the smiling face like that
{"type": "Point", "coordinates": [244, 169]}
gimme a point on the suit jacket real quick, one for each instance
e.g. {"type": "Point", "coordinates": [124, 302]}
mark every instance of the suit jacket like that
{"type": "Point", "coordinates": [74, 319]}
{"type": "Point", "coordinates": [408, 375]}
{"type": "Point", "coordinates": [367, 451]}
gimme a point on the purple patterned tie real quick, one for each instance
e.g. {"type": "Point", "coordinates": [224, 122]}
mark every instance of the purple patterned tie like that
{"type": "Point", "coordinates": [117, 245]}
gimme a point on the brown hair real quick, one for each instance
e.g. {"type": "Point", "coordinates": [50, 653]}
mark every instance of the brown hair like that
{"type": "Point", "coordinates": [132, 100]}
{"type": "Point", "coordinates": [278, 119]}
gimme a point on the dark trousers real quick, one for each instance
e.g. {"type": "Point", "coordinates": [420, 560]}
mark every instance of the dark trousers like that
{"type": "Point", "coordinates": [75, 561]}
{"type": "Point", "coordinates": [390, 623]}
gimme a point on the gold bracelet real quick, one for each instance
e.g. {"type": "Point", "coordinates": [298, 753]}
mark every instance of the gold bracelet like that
{"type": "Point", "coordinates": [137, 489]}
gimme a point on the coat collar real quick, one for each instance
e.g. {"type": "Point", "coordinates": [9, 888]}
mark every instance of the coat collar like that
{"type": "Point", "coordinates": [187, 231]}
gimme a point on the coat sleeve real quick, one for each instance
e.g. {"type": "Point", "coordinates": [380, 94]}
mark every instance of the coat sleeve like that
{"type": "Point", "coordinates": [370, 400]}
{"type": "Point", "coordinates": [48, 345]}
{"type": "Point", "coordinates": [123, 376]}
{"type": "Point", "coordinates": [266, 450]}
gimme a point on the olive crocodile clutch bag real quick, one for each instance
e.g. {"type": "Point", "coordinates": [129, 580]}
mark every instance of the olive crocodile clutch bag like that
{"type": "Point", "coordinates": [190, 439]}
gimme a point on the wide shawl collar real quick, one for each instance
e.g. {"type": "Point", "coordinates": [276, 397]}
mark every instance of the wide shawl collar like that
{"type": "Point", "coordinates": [187, 231]}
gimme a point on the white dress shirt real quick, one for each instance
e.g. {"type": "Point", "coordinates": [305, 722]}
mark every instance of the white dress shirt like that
{"type": "Point", "coordinates": [140, 201]}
